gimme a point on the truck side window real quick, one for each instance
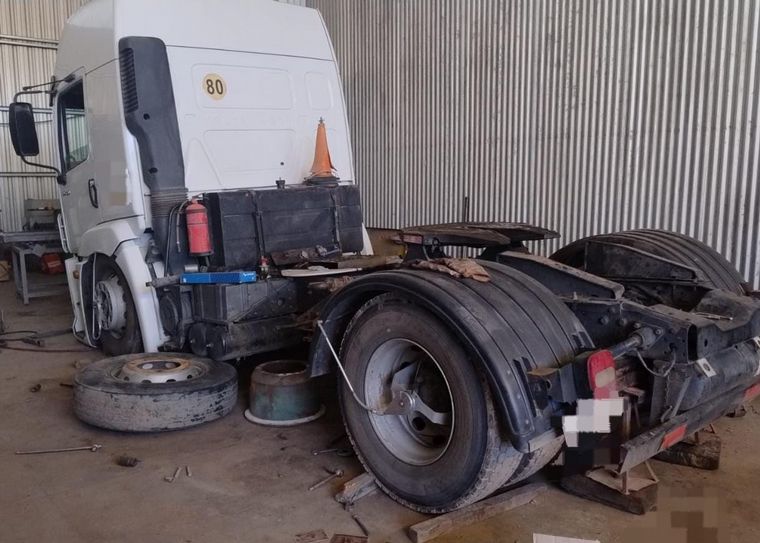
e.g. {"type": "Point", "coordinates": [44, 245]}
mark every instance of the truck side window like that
{"type": "Point", "coordinates": [75, 145]}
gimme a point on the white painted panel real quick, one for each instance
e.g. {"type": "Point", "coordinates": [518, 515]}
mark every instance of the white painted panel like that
{"type": "Point", "coordinates": [243, 87]}
{"type": "Point", "coordinates": [264, 126]}
{"type": "Point", "coordinates": [266, 150]}
{"type": "Point", "coordinates": [319, 90]}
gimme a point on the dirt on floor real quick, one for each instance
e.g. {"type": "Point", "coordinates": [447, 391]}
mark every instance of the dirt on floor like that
{"type": "Point", "coordinates": [249, 483]}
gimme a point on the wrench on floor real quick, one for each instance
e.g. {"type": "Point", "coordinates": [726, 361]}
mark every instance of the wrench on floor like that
{"type": "Point", "coordinates": [333, 475]}
{"type": "Point", "coordinates": [94, 447]}
{"type": "Point", "coordinates": [340, 451]}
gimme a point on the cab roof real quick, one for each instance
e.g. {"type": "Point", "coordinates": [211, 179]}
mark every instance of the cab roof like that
{"type": "Point", "coordinates": [91, 35]}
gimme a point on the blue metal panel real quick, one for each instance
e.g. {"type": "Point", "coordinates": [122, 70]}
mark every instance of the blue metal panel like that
{"type": "Point", "coordinates": [217, 278]}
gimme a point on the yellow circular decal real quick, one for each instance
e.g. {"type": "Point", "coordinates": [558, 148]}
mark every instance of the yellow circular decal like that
{"type": "Point", "coordinates": [214, 86]}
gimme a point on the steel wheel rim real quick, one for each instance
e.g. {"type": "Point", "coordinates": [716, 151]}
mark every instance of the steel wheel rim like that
{"type": "Point", "coordinates": [158, 369]}
{"type": "Point", "coordinates": [411, 438]}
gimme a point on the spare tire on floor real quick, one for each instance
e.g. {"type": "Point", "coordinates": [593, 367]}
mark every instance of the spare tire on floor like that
{"type": "Point", "coordinates": [154, 392]}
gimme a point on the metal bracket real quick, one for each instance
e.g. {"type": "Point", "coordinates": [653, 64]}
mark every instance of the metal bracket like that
{"type": "Point", "coordinates": [706, 368]}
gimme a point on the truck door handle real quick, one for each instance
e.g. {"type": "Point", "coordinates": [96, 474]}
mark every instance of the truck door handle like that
{"type": "Point", "coordinates": [92, 189]}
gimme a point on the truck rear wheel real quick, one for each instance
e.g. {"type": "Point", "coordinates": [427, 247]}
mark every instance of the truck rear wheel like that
{"type": "Point", "coordinates": [449, 451]}
{"type": "Point", "coordinates": [534, 461]}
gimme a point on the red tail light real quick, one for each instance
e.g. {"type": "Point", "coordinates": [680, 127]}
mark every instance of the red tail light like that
{"type": "Point", "coordinates": [601, 375]}
{"type": "Point", "coordinates": [673, 437]}
{"type": "Point", "coordinates": [752, 392]}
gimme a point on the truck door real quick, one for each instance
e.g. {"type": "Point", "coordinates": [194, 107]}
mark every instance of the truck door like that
{"type": "Point", "coordinates": [79, 196]}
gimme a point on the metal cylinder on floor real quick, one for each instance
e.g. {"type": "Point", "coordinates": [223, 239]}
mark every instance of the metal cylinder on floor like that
{"type": "Point", "coordinates": [282, 394]}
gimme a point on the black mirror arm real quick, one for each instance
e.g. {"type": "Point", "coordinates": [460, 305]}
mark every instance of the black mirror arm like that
{"type": "Point", "coordinates": [60, 177]}
{"type": "Point", "coordinates": [27, 91]}
{"type": "Point", "coordinates": [53, 84]}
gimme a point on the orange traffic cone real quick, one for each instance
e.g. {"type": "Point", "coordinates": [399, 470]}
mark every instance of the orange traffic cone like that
{"type": "Point", "coordinates": [322, 170]}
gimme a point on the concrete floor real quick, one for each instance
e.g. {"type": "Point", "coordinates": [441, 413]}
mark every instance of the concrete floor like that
{"type": "Point", "coordinates": [249, 483]}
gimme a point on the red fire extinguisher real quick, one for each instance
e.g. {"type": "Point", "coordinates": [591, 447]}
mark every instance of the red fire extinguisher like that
{"type": "Point", "coordinates": [198, 236]}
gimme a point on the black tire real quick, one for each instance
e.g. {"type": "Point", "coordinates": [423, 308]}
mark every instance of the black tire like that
{"type": "Point", "coordinates": [104, 398]}
{"type": "Point", "coordinates": [534, 461]}
{"type": "Point", "coordinates": [129, 339]}
{"type": "Point", "coordinates": [478, 459]}
{"type": "Point", "coordinates": [718, 271]}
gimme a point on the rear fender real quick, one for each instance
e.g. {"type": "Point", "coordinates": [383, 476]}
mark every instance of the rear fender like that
{"type": "Point", "coordinates": [489, 321]}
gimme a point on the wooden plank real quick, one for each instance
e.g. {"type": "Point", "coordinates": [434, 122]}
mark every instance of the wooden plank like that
{"type": "Point", "coordinates": [315, 536]}
{"type": "Point", "coordinates": [435, 527]}
{"type": "Point", "coordinates": [541, 538]}
{"type": "Point", "coordinates": [703, 454]}
{"type": "Point", "coordinates": [638, 502]}
{"type": "Point", "coordinates": [356, 488]}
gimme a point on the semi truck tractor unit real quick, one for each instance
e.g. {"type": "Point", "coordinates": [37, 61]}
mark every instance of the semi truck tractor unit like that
{"type": "Point", "coordinates": [199, 219]}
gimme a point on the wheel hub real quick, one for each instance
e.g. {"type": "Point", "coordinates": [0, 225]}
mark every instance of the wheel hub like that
{"type": "Point", "coordinates": [159, 369]}
{"type": "Point", "coordinates": [416, 420]}
{"type": "Point", "coordinates": [110, 304]}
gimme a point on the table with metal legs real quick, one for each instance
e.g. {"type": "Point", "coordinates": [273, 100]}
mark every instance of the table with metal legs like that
{"type": "Point", "coordinates": [38, 243]}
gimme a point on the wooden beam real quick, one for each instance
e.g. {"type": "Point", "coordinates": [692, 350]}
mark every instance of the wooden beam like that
{"type": "Point", "coordinates": [437, 526]}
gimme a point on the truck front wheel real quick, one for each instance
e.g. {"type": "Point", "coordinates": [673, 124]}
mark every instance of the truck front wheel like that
{"type": "Point", "coordinates": [115, 323]}
{"type": "Point", "coordinates": [447, 450]}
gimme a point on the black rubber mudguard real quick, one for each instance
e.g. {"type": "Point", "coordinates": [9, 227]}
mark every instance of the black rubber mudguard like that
{"type": "Point", "coordinates": [718, 272]}
{"type": "Point", "coordinates": [510, 325]}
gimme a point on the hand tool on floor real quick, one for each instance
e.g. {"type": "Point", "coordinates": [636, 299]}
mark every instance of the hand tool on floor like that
{"type": "Point", "coordinates": [333, 474]}
{"type": "Point", "coordinates": [361, 525]}
{"type": "Point", "coordinates": [170, 478]}
{"type": "Point", "coordinates": [340, 451]}
{"type": "Point", "coordinates": [94, 447]}
{"type": "Point", "coordinates": [349, 507]}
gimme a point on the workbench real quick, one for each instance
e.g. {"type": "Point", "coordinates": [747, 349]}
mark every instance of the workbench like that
{"type": "Point", "coordinates": [37, 242]}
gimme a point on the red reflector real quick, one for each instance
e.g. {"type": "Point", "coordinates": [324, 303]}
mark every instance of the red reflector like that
{"type": "Point", "coordinates": [673, 437]}
{"type": "Point", "coordinates": [752, 392]}
{"type": "Point", "coordinates": [601, 375]}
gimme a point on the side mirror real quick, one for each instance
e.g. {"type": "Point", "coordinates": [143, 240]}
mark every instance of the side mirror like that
{"type": "Point", "coordinates": [23, 131]}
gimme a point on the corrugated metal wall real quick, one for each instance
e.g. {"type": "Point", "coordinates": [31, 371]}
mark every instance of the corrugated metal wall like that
{"type": "Point", "coordinates": [28, 33]}
{"type": "Point", "coordinates": [583, 116]}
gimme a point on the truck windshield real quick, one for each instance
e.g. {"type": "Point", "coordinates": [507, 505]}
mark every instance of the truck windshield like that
{"type": "Point", "coordinates": [74, 140]}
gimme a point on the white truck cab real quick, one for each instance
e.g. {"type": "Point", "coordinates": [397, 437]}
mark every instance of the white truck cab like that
{"type": "Point", "coordinates": [159, 102]}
